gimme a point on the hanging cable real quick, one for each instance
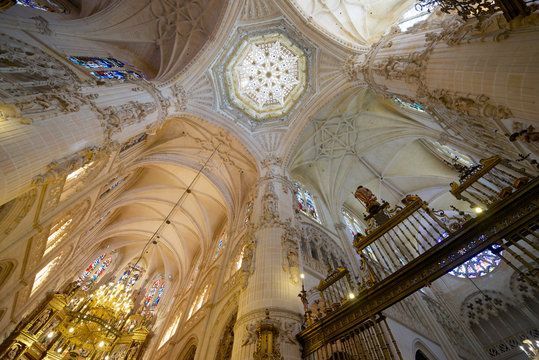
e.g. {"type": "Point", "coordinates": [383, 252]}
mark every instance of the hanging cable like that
{"type": "Point", "coordinates": [177, 204]}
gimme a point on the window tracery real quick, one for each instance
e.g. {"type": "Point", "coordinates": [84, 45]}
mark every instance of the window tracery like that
{"type": "Point", "coordinates": [154, 296]}
{"type": "Point", "coordinates": [199, 301]}
{"type": "Point", "coordinates": [113, 186]}
{"type": "Point", "coordinates": [106, 68]}
{"type": "Point", "coordinates": [92, 273]}
{"type": "Point", "coordinates": [220, 244]}
{"type": "Point", "coordinates": [43, 274]}
{"type": "Point", "coordinates": [352, 222]}
{"type": "Point", "coordinates": [171, 330]}
{"type": "Point", "coordinates": [306, 202]}
{"type": "Point", "coordinates": [408, 105]}
{"type": "Point", "coordinates": [44, 5]}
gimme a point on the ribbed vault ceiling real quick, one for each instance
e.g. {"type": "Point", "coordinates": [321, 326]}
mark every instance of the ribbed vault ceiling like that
{"type": "Point", "coordinates": [165, 170]}
{"type": "Point", "coordinates": [364, 139]}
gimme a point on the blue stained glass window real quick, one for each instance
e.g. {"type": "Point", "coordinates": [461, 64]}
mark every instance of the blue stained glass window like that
{"type": "Point", "coordinates": [480, 265]}
{"type": "Point", "coordinates": [43, 5]}
{"type": "Point", "coordinates": [306, 202]}
{"type": "Point", "coordinates": [133, 143]}
{"type": "Point", "coordinates": [115, 74]}
{"type": "Point", "coordinates": [154, 296]}
{"type": "Point", "coordinates": [96, 62]}
{"type": "Point", "coordinates": [112, 187]}
{"type": "Point", "coordinates": [95, 270]}
{"type": "Point", "coordinates": [220, 244]}
{"type": "Point", "coordinates": [408, 105]}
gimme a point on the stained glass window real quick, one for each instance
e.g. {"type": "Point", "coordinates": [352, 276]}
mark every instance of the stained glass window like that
{"type": "Point", "coordinates": [408, 105]}
{"type": "Point", "coordinates": [306, 202]}
{"type": "Point", "coordinates": [480, 265]}
{"type": "Point", "coordinates": [112, 187]}
{"type": "Point", "coordinates": [130, 144]}
{"type": "Point", "coordinates": [96, 62]}
{"type": "Point", "coordinates": [43, 5]}
{"type": "Point", "coordinates": [351, 222]}
{"type": "Point", "coordinates": [453, 154]}
{"type": "Point", "coordinates": [131, 275]}
{"type": "Point", "coordinates": [106, 67]}
{"type": "Point", "coordinates": [220, 243]}
{"type": "Point", "coordinates": [154, 296]}
{"type": "Point", "coordinates": [115, 74]}
{"type": "Point", "coordinates": [95, 270]}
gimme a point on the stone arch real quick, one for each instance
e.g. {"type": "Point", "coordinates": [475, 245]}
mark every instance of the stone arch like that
{"type": "Point", "coordinates": [420, 349]}
{"type": "Point", "coordinates": [6, 268]}
{"type": "Point", "coordinates": [189, 351]}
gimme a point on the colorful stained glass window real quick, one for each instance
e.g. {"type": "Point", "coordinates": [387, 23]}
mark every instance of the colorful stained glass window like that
{"type": "Point", "coordinates": [95, 270]}
{"type": "Point", "coordinates": [154, 296]}
{"type": "Point", "coordinates": [408, 105]}
{"type": "Point", "coordinates": [96, 62]}
{"type": "Point", "coordinates": [351, 222]}
{"type": "Point", "coordinates": [306, 202]}
{"type": "Point", "coordinates": [107, 67]}
{"type": "Point", "coordinates": [43, 5]}
{"type": "Point", "coordinates": [480, 265]}
{"type": "Point", "coordinates": [115, 74]}
{"type": "Point", "coordinates": [130, 276]}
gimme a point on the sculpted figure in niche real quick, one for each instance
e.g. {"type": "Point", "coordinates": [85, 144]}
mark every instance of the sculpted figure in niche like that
{"type": "Point", "coordinates": [250, 337]}
{"type": "Point", "coordinates": [40, 321]}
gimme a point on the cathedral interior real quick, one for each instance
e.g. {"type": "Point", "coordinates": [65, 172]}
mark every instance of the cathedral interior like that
{"type": "Point", "coordinates": [269, 179]}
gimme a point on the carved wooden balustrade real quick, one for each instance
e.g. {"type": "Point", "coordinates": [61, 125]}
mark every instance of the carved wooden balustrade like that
{"type": "Point", "coordinates": [408, 247]}
{"type": "Point", "coordinates": [491, 181]}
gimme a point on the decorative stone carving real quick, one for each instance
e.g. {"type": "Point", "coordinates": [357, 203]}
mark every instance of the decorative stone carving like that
{"type": "Point", "coordinates": [473, 106]}
{"type": "Point", "coordinates": [115, 118]}
{"type": "Point", "coordinates": [179, 97]}
{"type": "Point", "coordinates": [290, 250]}
{"type": "Point", "coordinates": [42, 25]}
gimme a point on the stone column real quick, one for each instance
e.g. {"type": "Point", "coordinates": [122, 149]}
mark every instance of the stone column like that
{"type": "Point", "coordinates": [469, 75]}
{"type": "Point", "coordinates": [271, 268]}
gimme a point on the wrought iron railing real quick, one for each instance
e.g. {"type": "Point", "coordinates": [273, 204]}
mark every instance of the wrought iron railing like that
{"type": "Point", "coordinates": [397, 236]}
{"type": "Point", "coordinates": [489, 182]}
{"type": "Point", "coordinates": [477, 8]}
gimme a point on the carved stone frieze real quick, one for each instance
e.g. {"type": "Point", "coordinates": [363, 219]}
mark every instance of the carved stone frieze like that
{"type": "Point", "coordinates": [115, 118]}
{"type": "Point", "coordinates": [180, 97]}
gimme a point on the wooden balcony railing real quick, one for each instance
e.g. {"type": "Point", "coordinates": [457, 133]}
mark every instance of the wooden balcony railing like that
{"type": "Point", "coordinates": [408, 247]}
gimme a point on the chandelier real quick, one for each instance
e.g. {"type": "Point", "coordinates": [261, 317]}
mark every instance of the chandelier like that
{"type": "Point", "coordinates": [95, 322]}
